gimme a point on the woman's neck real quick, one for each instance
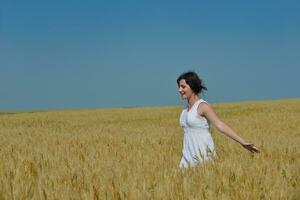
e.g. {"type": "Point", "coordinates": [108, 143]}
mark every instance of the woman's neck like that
{"type": "Point", "coordinates": [192, 100]}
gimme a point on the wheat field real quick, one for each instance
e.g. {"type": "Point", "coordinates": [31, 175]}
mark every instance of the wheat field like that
{"type": "Point", "coordinates": [133, 153]}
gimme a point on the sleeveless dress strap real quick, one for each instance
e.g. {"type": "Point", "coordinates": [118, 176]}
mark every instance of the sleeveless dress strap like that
{"type": "Point", "coordinates": [199, 102]}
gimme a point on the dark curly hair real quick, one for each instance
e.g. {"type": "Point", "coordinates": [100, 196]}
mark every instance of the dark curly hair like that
{"type": "Point", "coordinates": [193, 80]}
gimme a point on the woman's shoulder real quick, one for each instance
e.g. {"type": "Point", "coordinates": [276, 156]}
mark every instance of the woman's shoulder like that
{"type": "Point", "coordinates": [202, 106]}
{"type": "Point", "coordinates": [202, 101]}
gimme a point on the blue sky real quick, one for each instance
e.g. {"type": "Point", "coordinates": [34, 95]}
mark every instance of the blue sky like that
{"type": "Point", "coordinates": [92, 54]}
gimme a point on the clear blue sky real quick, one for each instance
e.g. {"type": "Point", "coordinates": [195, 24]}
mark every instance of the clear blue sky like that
{"type": "Point", "coordinates": [89, 54]}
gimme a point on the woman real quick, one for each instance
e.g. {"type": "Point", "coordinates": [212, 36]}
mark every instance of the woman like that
{"type": "Point", "coordinates": [198, 144]}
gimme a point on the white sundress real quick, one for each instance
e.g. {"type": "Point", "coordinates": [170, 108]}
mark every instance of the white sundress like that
{"type": "Point", "coordinates": [198, 144]}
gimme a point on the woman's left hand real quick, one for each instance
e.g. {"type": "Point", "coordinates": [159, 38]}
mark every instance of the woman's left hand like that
{"type": "Point", "coordinates": [251, 147]}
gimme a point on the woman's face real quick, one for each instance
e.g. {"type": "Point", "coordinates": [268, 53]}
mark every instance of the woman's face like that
{"type": "Point", "coordinates": [184, 89]}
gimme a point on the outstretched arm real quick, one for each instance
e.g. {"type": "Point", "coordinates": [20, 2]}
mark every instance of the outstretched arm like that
{"type": "Point", "coordinates": [206, 111]}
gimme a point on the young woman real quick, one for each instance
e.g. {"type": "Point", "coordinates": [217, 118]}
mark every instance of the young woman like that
{"type": "Point", "coordinates": [198, 144]}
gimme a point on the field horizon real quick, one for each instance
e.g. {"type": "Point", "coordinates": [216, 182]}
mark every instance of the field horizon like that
{"type": "Point", "coordinates": [10, 111]}
{"type": "Point", "coordinates": [133, 153]}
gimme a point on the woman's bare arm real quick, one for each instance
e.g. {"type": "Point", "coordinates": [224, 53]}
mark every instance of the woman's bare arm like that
{"type": "Point", "coordinates": [207, 111]}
